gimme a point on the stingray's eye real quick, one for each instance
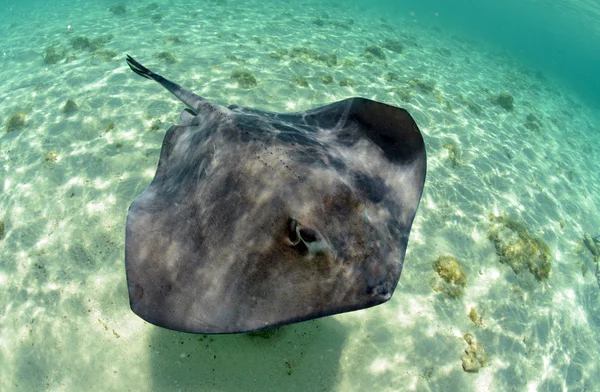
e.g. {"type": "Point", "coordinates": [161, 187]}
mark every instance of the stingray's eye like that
{"type": "Point", "coordinates": [308, 235]}
{"type": "Point", "coordinates": [313, 241]}
{"type": "Point", "coordinates": [293, 226]}
{"type": "Point", "coordinates": [305, 240]}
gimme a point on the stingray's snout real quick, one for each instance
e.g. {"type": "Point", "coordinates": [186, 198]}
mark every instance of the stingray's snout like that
{"type": "Point", "coordinates": [306, 239]}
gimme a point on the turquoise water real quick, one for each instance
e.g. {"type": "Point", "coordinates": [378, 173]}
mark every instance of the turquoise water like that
{"type": "Point", "coordinates": [68, 174]}
{"type": "Point", "coordinates": [559, 38]}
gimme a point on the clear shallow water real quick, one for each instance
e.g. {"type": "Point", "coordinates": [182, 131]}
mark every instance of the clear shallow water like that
{"type": "Point", "coordinates": [68, 178]}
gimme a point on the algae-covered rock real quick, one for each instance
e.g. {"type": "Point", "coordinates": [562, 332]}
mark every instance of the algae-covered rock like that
{"type": "Point", "coordinates": [327, 79]}
{"type": "Point", "coordinates": [15, 122]}
{"type": "Point", "coordinates": [50, 157]}
{"type": "Point", "coordinates": [374, 51]}
{"type": "Point", "coordinates": [473, 107]}
{"type": "Point", "coordinates": [424, 85]}
{"type": "Point", "coordinates": [404, 94]}
{"type": "Point", "coordinates": [118, 9]}
{"type": "Point", "coordinates": [474, 315]}
{"type": "Point", "coordinates": [342, 25]}
{"type": "Point", "coordinates": [393, 45]}
{"type": "Point", "coordinates": [166, 57]}
{"type": "Point", "coordinates": [475, 356]}
{"type": "Point", "coordinates": [172, 40]}
{"type": "Point", "coordinates": [53, 54]}
{"type": "Point", "coordinates": [519, 249]}
{"type": "Point", "coordinates": [1, 229]}
{"type": "Point", "coordinates": [105, 55]}
{"type": "Point", "coordinates": [348, 63]}
{"type": "Point", "coordinates": [80, 42]}
{"type": "Point", "coordinates": [504, 100]}
{"type": "Point", "coordinates": [454, 154]}
{"type": "Point", "coordinates": [70, 107]}
{"type": "Point", "coordinates": [308, 55]}
{"type": "Point", "coordinates": [156, 124]}
{"type": "Point", "coordinates": [244, 78]}
{"type": "Point", "coordinates": [449, 270]}
{"type": "Point", "coordinates": [592, 245]}
{"type": "Point", "coordinates": [304, 53]}
{"type": "Point", "coordinates": [318, 22]}
{"type": "Point", "coordinates": [453, 275]}
{"type": "Point", "coordinates": [98, 43]}
{"type": "Point", "coordinates": [328, 59]}
{"type": "Point", "coordinates": [533, 123]}
{"type": "Point", "coordinates": [391, 77]}
{"type": "Point", "coordinates": [301, 81]}
{"type": "Point", "coordinates": [345, 82]}
{"type": "Point", "coordinates": [279, 54]}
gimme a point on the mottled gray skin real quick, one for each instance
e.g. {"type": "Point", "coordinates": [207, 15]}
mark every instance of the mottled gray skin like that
{"type": "Point", "coordinates": [258, 219]}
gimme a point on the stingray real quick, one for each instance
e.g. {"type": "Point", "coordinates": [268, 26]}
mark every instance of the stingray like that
{"type": "Point", "coordinates": [256, 219]}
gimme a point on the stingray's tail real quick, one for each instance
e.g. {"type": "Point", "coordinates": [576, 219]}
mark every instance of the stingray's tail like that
{"type": "Point", "coordinates": [140, 69]}
{"type": "Point", "coordinates": [195, 102]}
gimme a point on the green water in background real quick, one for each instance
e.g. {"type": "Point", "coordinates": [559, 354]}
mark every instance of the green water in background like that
{"type": "Point", "coordinates": [560, 38]}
